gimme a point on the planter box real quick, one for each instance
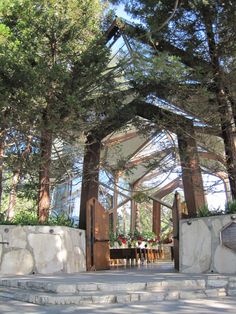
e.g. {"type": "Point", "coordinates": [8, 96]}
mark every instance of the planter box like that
{"type": "Point", "coordinates": [41, 250]}
{"type": "Point", "coordinates": [201, 246]}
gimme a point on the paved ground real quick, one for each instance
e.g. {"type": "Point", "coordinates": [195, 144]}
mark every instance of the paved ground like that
{"type": "Point", "coordinates": [212, 306]}
{"type": "Point", "coordinates": [133, 274]}
{"type": "Point", "coordinates": [143, 273]}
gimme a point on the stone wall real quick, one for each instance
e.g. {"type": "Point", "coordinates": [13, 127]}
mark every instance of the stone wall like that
{"type": "Point", "coordinates": [201, 246]}
{"type": "Point", "coordinates": [41, 250]}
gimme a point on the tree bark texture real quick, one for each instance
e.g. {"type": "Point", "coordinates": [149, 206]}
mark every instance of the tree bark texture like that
{"type": "Point", "coordinates": [156, 219]}
{"type": "Point", "coordinates": [44, 175]}
{"type": "Point", "coordinates": [13, 194]}
{"type": "Point", "coordinates": [90, 180]}
{"type": "Point", "coordinates": [191, 172]}
{"type": "Point", "coordinates": [225, 106]}
{"type": "Point", "coordinates": [1, 165]}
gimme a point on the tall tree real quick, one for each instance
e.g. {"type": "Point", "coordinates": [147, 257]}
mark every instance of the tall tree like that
{"type": "Point", "coordinates": [202, 35]}
{"type": "Point", "coordinates": [61, 83]}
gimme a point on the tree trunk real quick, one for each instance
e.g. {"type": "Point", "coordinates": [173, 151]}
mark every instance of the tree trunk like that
{"type": "Point", "coordinates": [225, 107]}
{"type": "Point", "coordinates": [90, 181]}
{"type": "Point", "coordinates": [156, 219]}
{"type": "Point", "coordinates": [138, 219]}
{"type": "Point", "coordinates": [12, 200]}
{"type": "Point", "coordinates": [191, 170]}
{"type": "Point", "coordinates": [44, 175]}
{"type": "Point", "coordinates": [2, 147]}
{"type": "Point", "coordinates": [229, 137]}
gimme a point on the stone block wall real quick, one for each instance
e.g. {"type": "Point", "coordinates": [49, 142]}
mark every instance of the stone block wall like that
{"type": "Point", "coordinates": [41, 250]}
{"type": "Point", "coordinates": [201, 247]}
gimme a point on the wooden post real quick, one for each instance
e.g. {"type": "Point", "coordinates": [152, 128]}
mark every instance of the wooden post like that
{"type": "Point", "coordinates": [191, 172]}
{"type": "Point", "coordinates": [133, 215]}
{"type": "Point", "coordinates": [133, 211]}
{"type": "Point", "coordinates": [176, 215]}
{"type": "Point", "coordinates": [115, 202]}
{"type": "Point", "coordinates": [90, 176]}
{"type": "Point", "coordinates": [156, 219]}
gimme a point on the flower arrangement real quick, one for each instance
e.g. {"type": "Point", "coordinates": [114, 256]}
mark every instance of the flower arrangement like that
{"type": "Point", "coordinates": [134, 240]}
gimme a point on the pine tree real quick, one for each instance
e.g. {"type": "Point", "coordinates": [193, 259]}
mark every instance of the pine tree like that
{"type": "Point", "coordinates": [53, 75]}
{"type": "Point", "coordinates": [201, 34]}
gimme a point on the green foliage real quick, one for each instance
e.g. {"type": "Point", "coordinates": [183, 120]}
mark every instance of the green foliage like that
{"type": "Point", "coordinates": [26, 217]}
{"type": "Point", "coordinates": [23, 217]}
{"type": "Point", "coordinates": [230, 207]}
{"type": "Point", "coordinates": [146, 216]}
{"type": "Point", "coordinates": [148, 235]}
{"type": "Point", "coordinates": [204, 211]}
{"type": "Point", "coordinates": [53, 63]}
{"type": "Point", "coordinates": [112, 238]}
{"type": "Point", "coordinates": [140, 197]}
{"type": "Point", "coordinates": [21, 202]}
{"type": "Point", "coordinates": [60, 220]}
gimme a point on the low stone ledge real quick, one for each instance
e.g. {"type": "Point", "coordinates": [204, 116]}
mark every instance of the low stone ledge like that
{"type": "Point", "coordinates": [41, 250]}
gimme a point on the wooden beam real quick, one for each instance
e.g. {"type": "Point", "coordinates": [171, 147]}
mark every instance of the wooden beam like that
{"type": "Point", "coordinates": [156, 219]}
{"type": "Point", "coordinates": [142, 35]}
{"type": "Point", "coordinates": [160, 201]}
{"type": "Point", "coordinates": [114, 140]}
{"type": "Point", "coordinates": [115, 200]}
{"type": "Point", "coordinates": [168, 188]}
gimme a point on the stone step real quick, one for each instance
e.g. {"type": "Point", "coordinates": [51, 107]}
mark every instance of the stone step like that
{"type": "Point", "coordinates": [56, 287]}
{"type": "Point", "coordinates": [101, 297]}
{"type": "Point", "coordinates": [231, 292]}
{"type": "Point", "coordinates": [232, 284]}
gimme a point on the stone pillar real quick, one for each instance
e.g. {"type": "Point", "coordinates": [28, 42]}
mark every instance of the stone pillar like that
{"type": "Point", "coordinates": [156, 219]}
{"type": "Point", "coordinates": [191, 172]}
{"type": "Point", "coordinates": [90, 178]}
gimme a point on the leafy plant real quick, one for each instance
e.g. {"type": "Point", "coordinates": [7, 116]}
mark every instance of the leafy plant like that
{"type": "Point", "coordinates": [230, 207]}
{"type": "Point", "coordinates": [140, 197]}
{"type": "Point", "coordinates": [30, 218]}
{"type": "Point", "coordinates": [203, 211]}
{"type": "Point", "coordinates": [60, 220]}
{"type": "Point", "coordinates": [25, 217]}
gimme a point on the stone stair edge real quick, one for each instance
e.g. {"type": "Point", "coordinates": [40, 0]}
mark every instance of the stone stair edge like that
{"type": "Point", "coordinates": [127, 286]}
{"type": "Point", "coordinates": [171, 284]}
{"type": "Point", "coordinates": [124, 297]}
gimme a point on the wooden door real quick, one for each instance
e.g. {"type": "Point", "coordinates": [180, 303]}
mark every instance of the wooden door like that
{"type": "Point", "coordinates": [97, 236]}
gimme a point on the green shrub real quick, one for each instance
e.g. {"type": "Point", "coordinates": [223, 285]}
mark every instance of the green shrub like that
{"type": "Point", "coordinates": [60, 220]}
{"type": "Point", "coordinates": [203, 211]}
{"type": "Point", "coordinates": [29, 218]}
{"type": "Point", "coordinates": [230, 207]}
{"type": "Point", "coordinates": [25, 217]}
